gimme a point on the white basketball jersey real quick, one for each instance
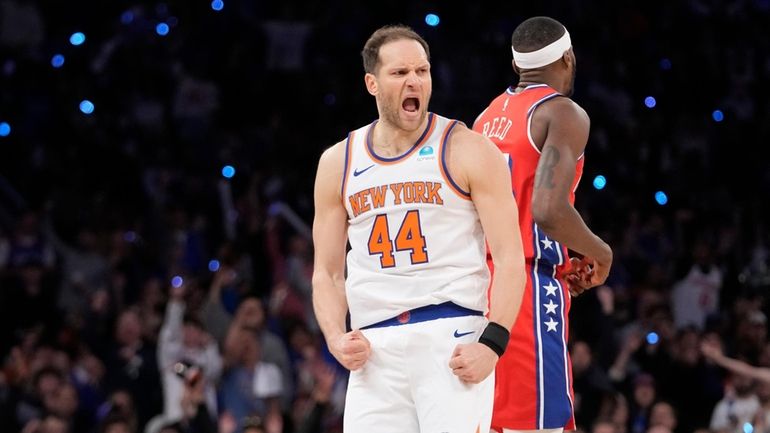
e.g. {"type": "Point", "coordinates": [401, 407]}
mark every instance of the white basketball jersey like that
{"type": "Point", "coordinates": [415, 236]}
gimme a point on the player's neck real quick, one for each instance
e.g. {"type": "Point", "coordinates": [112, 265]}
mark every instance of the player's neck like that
{"type": "Point", "coordinates": [388, 140]}
{"type": "Point", "coordinates": [535, 77]}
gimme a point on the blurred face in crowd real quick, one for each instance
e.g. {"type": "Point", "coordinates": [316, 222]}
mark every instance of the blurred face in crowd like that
{"type": "Point", "coordinates": [663, 414]}
{"type": "Point", "coordinates": [644, 394]}
{"type": "Point", "coordinates": [743, 385]}
{"type": "Point", "coordinates": [250, 314]}
{"type": "Point", "coordinates": [686, 349]}
{"type": "Point", "coordinates": [63, 402]}
{"type": "Point", "coordinates": [402, 84]}
{"type": "Point", "coordinates": [193, 335]}
{"type": "Point", "coordinates": [129, 328]}
{"type": "Point", "coordinates": [48, 384]}
{"type": "Point", "coordinates": [604, 427]}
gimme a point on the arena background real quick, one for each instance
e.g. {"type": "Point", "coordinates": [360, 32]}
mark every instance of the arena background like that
{"type": "Point", "coordinates": [163, 154]}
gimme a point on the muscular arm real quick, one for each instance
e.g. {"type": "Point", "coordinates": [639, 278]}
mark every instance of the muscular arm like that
{"type": "Point", "coordinates": [565, 128]}
{"type": "Point", "coordinates": [481, 169]}
{"type": "Point", "coordinates": [329, 239]}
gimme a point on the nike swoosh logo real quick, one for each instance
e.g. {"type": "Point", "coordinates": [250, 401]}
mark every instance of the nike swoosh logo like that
{"type": "Point", "coordinates": [356, 172]}
{"type": "Point", "coordinates": [462, 334]}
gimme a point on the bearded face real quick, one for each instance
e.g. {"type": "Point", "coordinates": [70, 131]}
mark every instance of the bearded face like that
{"type": "Point", "coordinates": [402, 84]}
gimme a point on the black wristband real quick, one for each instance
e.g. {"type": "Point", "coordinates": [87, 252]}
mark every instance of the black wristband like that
{"type": "Point", "coordinates": [495, 336]}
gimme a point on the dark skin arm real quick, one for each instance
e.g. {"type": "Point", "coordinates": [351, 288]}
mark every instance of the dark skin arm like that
{"type": "Point", "coordinates": [560, 129]}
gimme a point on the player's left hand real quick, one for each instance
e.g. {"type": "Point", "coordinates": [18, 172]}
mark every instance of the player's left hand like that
{"type": "Point", "coordinates": [473, 362]}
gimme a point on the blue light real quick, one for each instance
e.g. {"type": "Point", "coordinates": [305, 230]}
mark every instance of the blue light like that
{"type": "Point", "coordinates": [652, 338]}
{"type": "Point", "coordinates": [127, 17]}
{"type": "Point", "coordinates": [177, 281]}
{"type": "Point", "coordinates": [214, 265]}
{"type": "Point", "coordinates": [661, 198]}
{"type": "Point", "coordinates": [600, 182]}
{"type": "Point", "coordinates": [86, 106]}
{"type": "Point", "coordinates": [718, 115]}
{"type": "Point", "coordinates": [665, 64]}
{"type": "Point", "coordinates": [650, 102]}
{"type": "Point", "coordinates": [162, 29]}
{"type": "Point", "coordinates": [129, 236]}
{"type": "Point", "coordinates": [748, 428]}
{"type": "Point", "coordinates": [228, 171]}
{"type": "Point", "coordinates": [57, 61]}
{"type": "Point", "coordinates": [217, 5]}
{"type": "Point", "coordinates": [432, 20]}
{"type": "Point", "coordinates": [77, 38]}
{"type": "Point", "coordinates": [5, 129]}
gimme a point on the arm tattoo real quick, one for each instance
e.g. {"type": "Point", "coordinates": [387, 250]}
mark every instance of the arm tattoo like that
{"type": "Point", "coordinates": [544, 174]}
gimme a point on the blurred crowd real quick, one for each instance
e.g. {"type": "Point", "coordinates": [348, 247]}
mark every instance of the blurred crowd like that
{"type": "Point", "coordinates": [140, 290]}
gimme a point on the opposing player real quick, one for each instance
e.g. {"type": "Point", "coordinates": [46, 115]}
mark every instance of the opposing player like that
{"type": "Point", "coordinates": [414, 193]}
{"type": "Point", "coordinates": [543, 134]}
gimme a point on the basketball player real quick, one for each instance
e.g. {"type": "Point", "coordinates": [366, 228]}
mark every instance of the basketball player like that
{"type": "Point", "coordinates": [543, 133]}
{"type": "Point", "coordinates": [414, 193]}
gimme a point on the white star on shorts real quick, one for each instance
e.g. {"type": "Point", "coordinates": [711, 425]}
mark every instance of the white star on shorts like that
{"type": "Point", "coordinates": [550, 289]}
{"type": "Point", "coordinates": [550, 307]}
{"type": "Point", "coordinates": [551, 324]}
{"type": "Point", "coordinates": [547, 244]}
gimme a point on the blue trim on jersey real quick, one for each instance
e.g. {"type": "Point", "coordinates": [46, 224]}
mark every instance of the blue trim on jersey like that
{"type": "Point", "coordinates": [407, 153]}
{"type": "Point", "coordinates": [443, 160]}
{"type": "Point", "coordinates": [553, 400]}
{"type": "Point", "coordinates": [511, 90]}
{"type": "Point", "coordinates": [536, 329]}
{"type": "Point", "coordinates": [549, 249]}
{"type": "Point", "coordinates": [558, 408]}
{"type": "Point", "coordinates": [345, 173]}
{"type": "Point", "coordinates": [541, 100]}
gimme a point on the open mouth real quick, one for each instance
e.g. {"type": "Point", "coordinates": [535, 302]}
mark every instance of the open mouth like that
{"type": "Point", "coordinates": [411, 105]}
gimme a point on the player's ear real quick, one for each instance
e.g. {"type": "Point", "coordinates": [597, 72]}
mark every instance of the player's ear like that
{"type": "Point", "coordinates": [371, 83]}
{"type": "Point", "coordinates": [515, 68]}
{"type": "Point", "coordinates": [569, 58]}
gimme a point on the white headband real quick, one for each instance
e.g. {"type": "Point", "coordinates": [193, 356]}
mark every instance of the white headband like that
{"type": "Point", "coordinates": [544, 56]}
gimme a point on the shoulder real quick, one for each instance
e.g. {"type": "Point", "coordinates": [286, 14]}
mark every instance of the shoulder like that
{"type": "Point", "coordinates": [334, 153]}
{"type": "Point", "coordinates": [332, 161]}
{"type": "Point", "coordinates": [563, 109]}
{"type": "Point", "coordinates": [471, 153]}
{"type": "Point", "coordinates": [331, 170]}
{"type": "Point", "coordinates": [468, 142]}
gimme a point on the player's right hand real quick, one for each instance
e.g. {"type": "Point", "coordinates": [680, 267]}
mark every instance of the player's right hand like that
{"type": "Point", "coordinates": [351, 349]}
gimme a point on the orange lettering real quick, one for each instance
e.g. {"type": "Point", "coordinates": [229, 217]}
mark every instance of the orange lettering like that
{"type": "Point", "coordinates": [419, 193]}
{"type": "Point", "coordinates": [408, 192]}
{"type": "Point", "coordinates": [354, 204]}
{"type": "Point", "coordinates": [378, 195]}
{"type": "Point", "coordinates": [396, 188]}
{"type": "Point", "coordinates": [433, 197]}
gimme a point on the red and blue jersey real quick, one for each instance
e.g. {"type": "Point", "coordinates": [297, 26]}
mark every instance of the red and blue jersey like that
{"type": "Point", "coordinates": [533, 387]}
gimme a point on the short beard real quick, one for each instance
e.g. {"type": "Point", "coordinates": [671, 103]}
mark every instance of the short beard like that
{"type": "Point", "coordinates": [390, 115]}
